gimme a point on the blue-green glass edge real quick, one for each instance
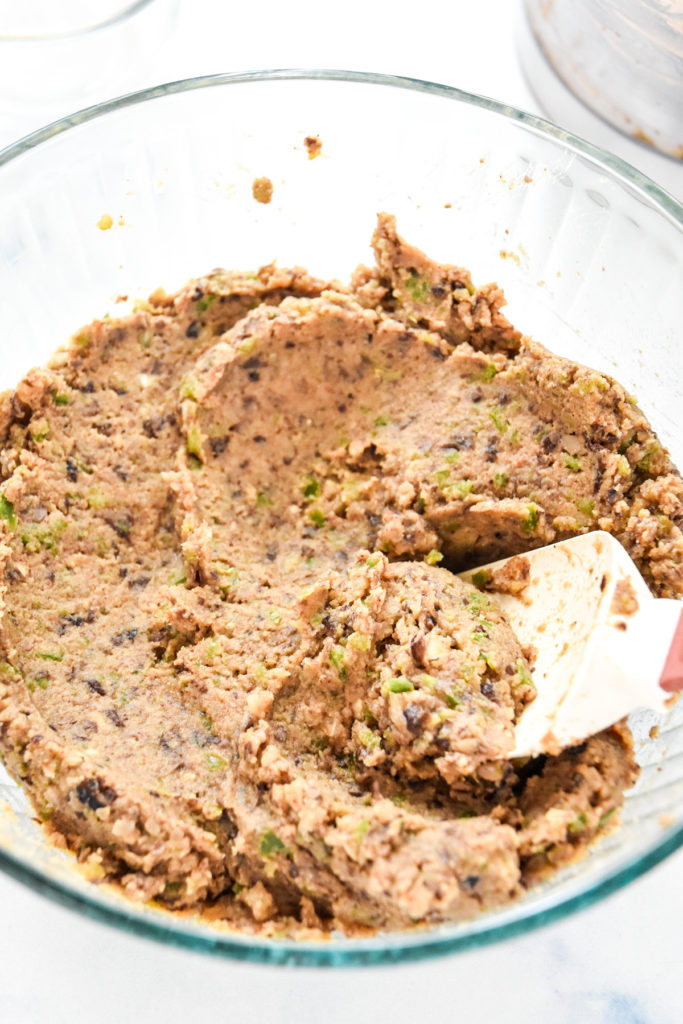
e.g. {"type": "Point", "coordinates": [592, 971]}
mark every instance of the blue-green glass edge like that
{"type": "Point", "coordinates": [401, 948]}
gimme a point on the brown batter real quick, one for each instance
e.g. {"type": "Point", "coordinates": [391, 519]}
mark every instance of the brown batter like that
{"type": "Point", "coordinates": [238, 669]}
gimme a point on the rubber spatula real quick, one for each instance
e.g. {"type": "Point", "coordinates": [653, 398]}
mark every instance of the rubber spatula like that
{"type": "Point", "coordinates": [605, 646]}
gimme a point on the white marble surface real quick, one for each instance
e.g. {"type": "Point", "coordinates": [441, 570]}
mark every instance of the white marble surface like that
{"type": "Point", "coordinates": [616, 963]}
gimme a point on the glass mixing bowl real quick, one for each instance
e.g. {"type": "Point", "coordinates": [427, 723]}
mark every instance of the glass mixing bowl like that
{"type": "Point", "coordinates": [589, 252]}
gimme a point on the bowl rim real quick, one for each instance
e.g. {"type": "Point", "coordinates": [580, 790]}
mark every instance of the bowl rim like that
{"type": "Point", "coordinates": [389, 948]}
{"type": "Point", "coordinates": [130, 10]}
{"type": "Point", "coordinates": [668, 205]}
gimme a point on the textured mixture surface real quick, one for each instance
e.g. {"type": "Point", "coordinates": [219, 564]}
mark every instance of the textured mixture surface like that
{"type": "Point", "coordinates": [239, 673]}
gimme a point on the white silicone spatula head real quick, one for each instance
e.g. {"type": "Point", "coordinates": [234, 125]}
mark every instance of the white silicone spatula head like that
{"type": "Point", "coordinates": [605, 646]}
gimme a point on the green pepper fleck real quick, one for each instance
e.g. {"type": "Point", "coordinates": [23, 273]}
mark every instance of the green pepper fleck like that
{"type": "Point", "coordinates": [417, 288]}
{"type": "Point", "coordinates": [7, 512]}
{"type": "Point", "coordinates": [214, 762]}
{"type": "Point", "coordinates": [60, 399]}
{"type": "Point", "coordinates": [498, 419]}
{"type": "Point", "coordinates": [578, 824]}
{"type": "Point", "coordinates": [270, 844]}
{"type": "Point", "coordinates": [382, 421]}
{"type": "Point", "coordinates": [585, 505]}
{"type": "Point", "coordinates": [458, 489]}
{"type": "Point", "coordinates": [317, 517]}
{"type": "Point", "coordinates": [398, 685]}
{"type": "Point", "coordinates": [571, 462]}
{"type": "Point", "coordinates": [481, 577]}
{"type": "Point", "coordinates": [500, 480]}
{"type": "Point", "coordinates": [360, 642]}
{"type": "Point", "coordinates": [193, 442]}
{"type": "Point", "coordinates": [188, 388]}
{"type": "Point", "coordinates": [368, 739]}
{"type": "Point", "coordinates": [337, 659]}
{"type": "Point", "coordinates": [50, 655]}
{"type": "Point", "coordinates": [604, 818]}
{"type": "Point", "coordinates": [203, 304]}
{"type": "Point", "coordinates": [433, 557]}
{"type": "Point", "coordinates": [362, 829]}
{"type": "Point", "coordinates": [530, 523]}
{"type": "Point", "coordinates": [263, 499]}
{"type": "Point", "coordinates": [487, 373]}
{"type": "Point", "coordinates": [96, 498]}
{"type": "Point", "coordinates": [311, 488]}
{"type": "Point", "coordinates": [523, 673]}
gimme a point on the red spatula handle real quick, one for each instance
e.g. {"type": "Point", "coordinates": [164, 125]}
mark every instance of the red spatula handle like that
{"type": "Point", "coordinates": [671, 678]}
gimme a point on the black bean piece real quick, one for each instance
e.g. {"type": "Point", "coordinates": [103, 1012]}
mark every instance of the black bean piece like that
{"type": "Point", "coordinates": [113, 716]}
{"type": "Point", "coordinates": [461, 442]}
{"type": "Point", "coordinates": [69, 620]}
{"type": "Point", "coordinates": [122, 525]}
{"type": "Point", "coordinates": [612, 495]}
{"type": "Point", "coordinates": [153, 427]}
{"type": "Point", "coordinates": [126, 636]}
{"type": "Point", "coordinates": [488, 689]}
{"type": "Point", "coordinates": [218, 445]}
{"type": "Point", "coordinates": [414, 717]}
{"type": "Point", "coordinates": [139, 582]}
{"type": "Point", "coordinates": [491, 451]}
{"type": "Point", "coordinates": [96, 686]}
{"type": "Point", "coordinates": [547, 444]}
{"type": "Point", "coordinates": [94, 794]}
{"type": "Point", "coordinates": [442, 740]}
{"type": "Point", "coordinates": [71, 470]}
{"type": "Point", "coordinates": [418, 648]}
{"type": "Point", "coordinates": [192, 330]}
